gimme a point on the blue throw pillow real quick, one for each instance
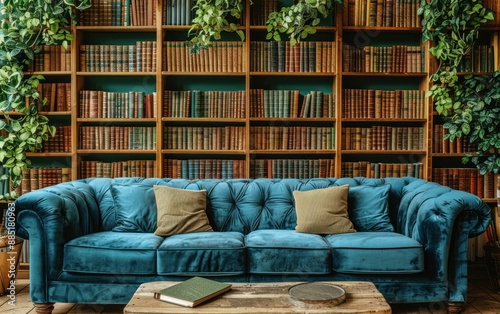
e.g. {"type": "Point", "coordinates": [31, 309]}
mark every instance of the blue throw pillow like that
{"type": "Point", "coordinates": [135, 207]}
{"type": "Point", "coordinates": [368, 208]}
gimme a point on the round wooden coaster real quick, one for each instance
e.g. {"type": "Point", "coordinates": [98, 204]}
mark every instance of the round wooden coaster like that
{"type": "Point", "coordinates": [317, 293]}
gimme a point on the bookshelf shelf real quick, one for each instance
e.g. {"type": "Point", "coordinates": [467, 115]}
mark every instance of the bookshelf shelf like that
{"type": "Point", "coordinates": [85, 73]}
{"type": "Point", "coordinates": [293, 152]}
{"type": "Point", "coordinates": [385, 74]}
{"type": "Point", "coordinates": [444, 155]}
{"type": "Point", "coordinates": [56, 113]}
{"type": "Point", "coordinates": [116, 151]}
{"type": "Point", "coordinates": [49, 73]}
{"type": "Point", "coordinates": [382, 120]}
{"type": "Point", "coordinates": [283, 120]}
{"type": "Point", "coordinates": [201, 152]}
{"type": "Point", "coordinates": [34, 154]}
{"type": "Point", "coordinates": [384, 152]}
{"type": "Point", "coordinates": [385, 29]}
{"type": "Point", "coordinates": [197, 73]}
{"type": "Point", "coordinates": [117, 29]}
{"type": "Point", "coordinates": [120, 120]}
{"type": "Point", "coordinates": [294, 74]}
{"type": "Point", "coordinates": [204, 120]}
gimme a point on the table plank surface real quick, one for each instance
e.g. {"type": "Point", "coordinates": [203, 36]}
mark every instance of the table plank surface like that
{"type": "Point", "coordinates": [361, 297]}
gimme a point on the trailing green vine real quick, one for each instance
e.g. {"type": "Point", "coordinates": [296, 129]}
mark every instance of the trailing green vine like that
{"type": "Point", "coordinates": [299, 20]}
{"type": "Point", "coordinates": [24, 26]}
{"type": "Point", "coordinates": [469, 105]}
{"type": "Point", "coordinates": [211, 18]}
{"type": "Point", "coordinates": [453, 25]}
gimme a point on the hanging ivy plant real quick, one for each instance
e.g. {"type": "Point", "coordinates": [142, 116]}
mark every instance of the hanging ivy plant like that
{"type": "Point", "coordinates": [453, 25]}
{"type": "Point", "coordinates": [211, 18]}
{"type": "Point", "coordinates": [299, 20]}
{"type": "Point", "coordinates": [469, 105]}
{"type": "Point", "coordinates": [25, 25]}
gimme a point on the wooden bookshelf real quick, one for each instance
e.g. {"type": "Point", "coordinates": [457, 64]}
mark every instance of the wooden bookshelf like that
{"type": "Point", "coordinates": [215, 90]}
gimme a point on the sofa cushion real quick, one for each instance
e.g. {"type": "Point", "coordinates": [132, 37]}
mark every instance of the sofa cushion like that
{"type": "Point", "coordinates": [135, 207]}
{"type": "Point", "coordinates": [376, 253]}
{"type": "Point", "coordinates": [112, 253]}
{"type": "Point", "coordinates": [180, 211]}
{"type": "Point", "coordinates": [287, 252]}
{"type": "Point", "coordinates": [368, 208]}
{"type": "Point", "coordinates": [323, 211]}
{"type": "Point", "coordinates": [202, 254]}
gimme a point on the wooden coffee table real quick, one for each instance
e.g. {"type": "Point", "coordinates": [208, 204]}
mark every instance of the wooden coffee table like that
{"type": "Point", "coordinates": [361, 297]}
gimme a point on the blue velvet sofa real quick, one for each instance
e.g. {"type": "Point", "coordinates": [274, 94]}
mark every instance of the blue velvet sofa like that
{"type": "Point", "coordinates": [77, 257]}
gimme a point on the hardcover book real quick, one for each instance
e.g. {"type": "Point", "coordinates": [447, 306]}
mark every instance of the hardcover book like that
{"type": "Point", "coordinates": [192, 292]}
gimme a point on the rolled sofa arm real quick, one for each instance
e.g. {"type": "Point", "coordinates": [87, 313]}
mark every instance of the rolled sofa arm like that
{"type": "Point", "coordinates": [442, 219]}
{"type": "Point", "coordinates": [49, 218]}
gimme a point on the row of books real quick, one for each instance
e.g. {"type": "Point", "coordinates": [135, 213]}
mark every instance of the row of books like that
{"type": "Point", "coordinates": [392, 59]}
{"type": "Point", "coordinates": [204, 104]}
{"type": "Point", "coordinates": [304, 56]}
{"type": "Point", "coordinates": [204, 138]}
{"type": "Point", "coordinates": [459, 145]}
{"type": "Point", "coordinates": [292, 168]}
{"type": "Point", "coordinates": [51, 58]}
{"type": "Point", "coordinates": [383, 104]}
{"type": "Point", "coordinates": [60, 142]}
{"type": "Point", "coordinates": [221, 56]}
{"type": "Point", "coordinates": [466, 179]}
{"type": "Point", "coordinates": [120, 13]}
{"type": "Point", "coordinates": [481, 58]}
{"type": "Point", "coordinates": [103, 104]}
{"type": "Point", "coordinates": [292, 138]}
{"type": "Point", "coordinates": [260, 10]}
{"type": "Point", "coordinates": [389, 13]}
{"type": "Point", "coordinates": [493, 5]}
{"type": "Point", "coordinates": [381, 170]}
{"type": "Point", "coordinates": [116, 169]}
{"type": "Point", "coordinates": [204, 168]}
{"type": "Point", "coordinates": [383, 138]}
{"type": "Point", "coordinates": [177, 12]}
{"type": "Point", "coordinates": [118, 137]}
{"type": "Point", "coordinates": [37, 178]}
{"type": "Point", "coordinates": [288, 104]}
{"type": "Point", "coordinates": [139, 57]}
{"type": "Point", "coordinates": [58, 96]}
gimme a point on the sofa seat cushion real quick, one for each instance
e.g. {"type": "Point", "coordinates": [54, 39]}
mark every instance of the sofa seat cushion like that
{"type": "Point", "coordinates": [287, 252]}
{"type": "Point", "coordinates": [111, 252]}
{"type": "Point", "coordinates": [376, 253]}
{"type": "Point", "coordinates": [202, 254]}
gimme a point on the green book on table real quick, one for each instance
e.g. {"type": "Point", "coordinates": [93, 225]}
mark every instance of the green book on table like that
{"type": "Point", "coordinates": [192, 292]}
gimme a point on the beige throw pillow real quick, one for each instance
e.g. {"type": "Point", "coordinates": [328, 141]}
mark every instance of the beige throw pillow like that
{"type": "Point", "coordinates": [323, 211]}
{"type": "Point", "coordinates": [180, 211]}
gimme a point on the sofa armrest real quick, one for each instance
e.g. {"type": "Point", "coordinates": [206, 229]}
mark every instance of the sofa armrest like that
{"type": "Point", "coordinates": [442, 219]}
{"type": "Point", "coordinates": [52, 216]}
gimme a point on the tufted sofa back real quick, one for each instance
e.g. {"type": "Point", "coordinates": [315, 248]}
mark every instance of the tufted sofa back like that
{"type": "Point", "coordinates": [245, 205]}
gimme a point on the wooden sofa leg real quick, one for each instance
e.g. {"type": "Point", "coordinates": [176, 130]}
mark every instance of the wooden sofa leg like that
{"type": "Point", "coordinates": [453, 307]}
{"type": "Point", "coordinates": [44, 308]}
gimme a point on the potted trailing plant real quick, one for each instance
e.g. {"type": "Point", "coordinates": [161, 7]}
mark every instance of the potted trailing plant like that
{"type": "Point", "coordinates": [25, 25]}
{"type": "Point", "coordinates": [212, 17]}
